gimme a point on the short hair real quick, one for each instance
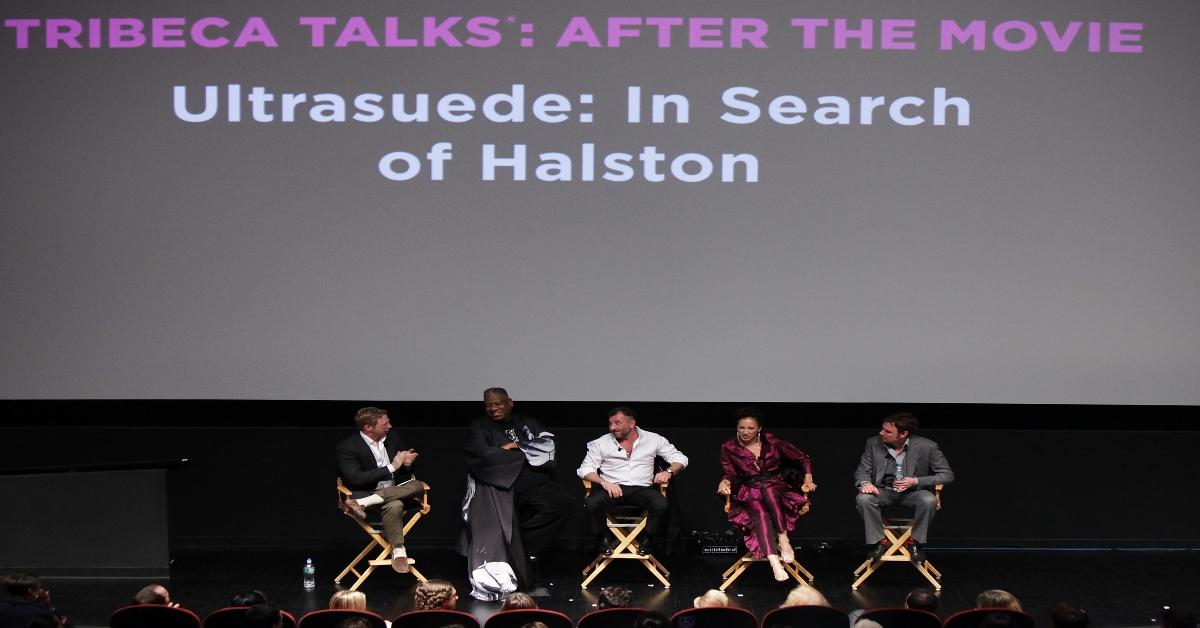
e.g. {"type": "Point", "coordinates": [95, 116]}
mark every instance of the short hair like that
{"type": "Point", "coordinates": [711, 597]}
{"type": "Point", "coordinates": [904, 422]}
{"type": "Point", "coordinates": [651, 619]}
{"type": "Point", "coordinates": [350, 600]}
{"type": "Point", "coordinates": [750, 412]}
{"type": "Point", "coordinates": [533, 624]}
{"type": "Point", "coordinates": [249, 598]}
{"type": "Point", "coordinates": [21, 584]}
{"type": "Point", "coordinates": [518, 600]}
{"type": "Point", "coordinates": [1066, 616]}
{"type": "Point", "coordinates": [354, 622]}
{"type": "Point", "coordinates": [614, 597]}
{"type": "Point", "coordinates": [150, 595]}
{"type": "Point", "coordinates": [922, 600]}
{"type": "Point", "coordinates": [998, 598]}
{"type": "Point", "coordinates": [432, 595]}
{"type": "Point", "coordinates": [627, 411]}
{"type": "Point", "coordinates": [495, 390]}
{"type": "Point", "coordinates": [263, 615]}
{"type": "Point", "coordinates": [804, 595]}
{"type": "Point", "coordinates": [368, 416]}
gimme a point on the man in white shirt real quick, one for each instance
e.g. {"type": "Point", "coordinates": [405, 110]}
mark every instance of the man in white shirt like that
{"type": "Point", "coordinates": [620, 466]}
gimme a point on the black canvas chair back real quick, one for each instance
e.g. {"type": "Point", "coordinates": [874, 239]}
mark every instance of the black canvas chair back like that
{"type": "Point", "coordinates": [903, 618]}
{"type": "Point", "coordinates": [988, 618]}
{"type": "Point", "coordinates": [519, 617]}
{"type": "Point", "coordinates": [153, 616]}
{"type": "Point", "coordinates": [806, 617]}
{"type": "Point", "coordinates": [610, 618]}
{"type": "Point", "coordinates": [435, 619]}
{"type": "Point", "coordinates": [235, 617]}
{"type": "Point", "coordinates": [714, 617]}
{"type": "Point", "coordinates": [331, 617]}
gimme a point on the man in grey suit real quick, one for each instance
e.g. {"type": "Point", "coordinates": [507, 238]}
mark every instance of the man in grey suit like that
{"type": "Point", "coordinates": [899, 468]}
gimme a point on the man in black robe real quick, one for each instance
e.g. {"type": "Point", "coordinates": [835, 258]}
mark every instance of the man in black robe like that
{"type": "Point", "coordinates": [513, 508]}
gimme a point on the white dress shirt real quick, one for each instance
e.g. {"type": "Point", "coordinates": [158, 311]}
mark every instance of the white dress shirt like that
{"type": "Point", "coordinates": [381, 459]}
{"type": "Point", "coordinates": [612, 463]}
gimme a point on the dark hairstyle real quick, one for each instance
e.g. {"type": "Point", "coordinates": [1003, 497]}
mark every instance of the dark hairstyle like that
{"type": "Point", "coordinates": [354, 622]}
{"type": "Point", "coordinates": [750, 412]}
{"type": "Point", "coordinates": [904, 422]}
{"type": "Point", "coordinates": [21, 584]}
{"type": "Point", "coordinates": [1066, 616]}
{"type": "Point", "coordinates": [651, 619]}
{"type": "Point", "coordinates": [150, 595]}
{"type": "Point", "coordinates": [249, 598]}
{"type": "Point", "coordinates": [614, 597]}
{"type": "Point", "coordinates": [495, 390]}
{"type": "Point", "coordinates": [622, 410]}
{"type": "Point", "coordinates": [262, 616]}
{"type": "Point", "coordinates": [996, 620]}
{"type": "Point", "coordinates": [368, 416]}
{"type": "Point", "coordinates": [922, 600]}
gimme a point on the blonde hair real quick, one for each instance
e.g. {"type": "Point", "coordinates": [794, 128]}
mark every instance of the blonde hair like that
{"type": "Point", "coordinates": [518, 600]}
{"type": "Point", "coordinates": [349, 600]}
{"type": "Point", "coordinates": [998, 598]}
{"type": "Point", "coordinates": [804, 595]}
{"type": "Point", "coordinates": [711, 597]}
{"type": "Point", "coordinates": [434, 594]}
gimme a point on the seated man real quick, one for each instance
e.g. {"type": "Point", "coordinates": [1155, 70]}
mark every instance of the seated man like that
{"type": "Point", "coordinates": [899, 468]}
{"type": "Point", "coordinates": [27, 601]}
{"type": "Point", "coordinates": [621, 465]}
{"type": "Point", "coordinates": [377, 468]}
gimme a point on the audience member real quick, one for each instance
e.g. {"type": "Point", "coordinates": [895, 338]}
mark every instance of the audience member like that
{"type": "Point", "coordinates": [710, 598]}
{"type": "Point", "coordinates": [154, 594]}
{"type": "Point", "coordinates": [1064, 615]}
{"type": "Point", "coordinates": [354, 622]}
{"type": "Point", "coordinates": [652, 619]}
{"type": "Point", "coordinates": [517, 601]}
{"type": "Point", "coordinates": [998, 598]}
{"type": "Point", "coordinates": [435, 595]}
{"type": "Point", "coordinates": [996, 620]}
{"type": "Point", "coordinates": [44, 621]}
{"type": "Point", "coordinates": [614, 597]}
{"type": "Point", "coordinates": [922, 600]}
{"type": "Point", "coordinates": [265, 615]}
{"type": "Point", "coordinates": [249, 598]}
{"type": "Point", "coordinates": [534, 624]}
{"type": "Point", "coordinates": [27, 599]}
{"type": "Point", "coordinates": [804, 595]}
{"type": "Point", "coordinates": [867, 623]}
{"type": "Point", "coordinates": [349, 600]}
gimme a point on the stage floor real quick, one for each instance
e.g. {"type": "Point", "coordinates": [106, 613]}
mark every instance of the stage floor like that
{"type": "Point", "coordinates": [1116, 587]}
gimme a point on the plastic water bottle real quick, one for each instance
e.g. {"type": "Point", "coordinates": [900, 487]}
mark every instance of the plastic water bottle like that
{"type": "Point", "coordinates": [310, 575]}
{"type": "Point", "coordinates": [899, 476]}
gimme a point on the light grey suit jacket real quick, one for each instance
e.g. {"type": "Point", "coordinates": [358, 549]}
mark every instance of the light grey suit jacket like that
{"type": "Point", "coordinates": [923, 461]}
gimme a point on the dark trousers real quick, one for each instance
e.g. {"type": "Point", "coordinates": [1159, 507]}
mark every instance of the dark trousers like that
{"type": "Point", "coordinates": [542, 510]}
{"type": "Point", "coordinates": [393, 506]}
{"type": "Point", "coordinates": [648, 498]}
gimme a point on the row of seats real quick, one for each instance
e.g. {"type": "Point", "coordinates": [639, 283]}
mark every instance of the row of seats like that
{"type": "Point", "coordinates": [147, 616]}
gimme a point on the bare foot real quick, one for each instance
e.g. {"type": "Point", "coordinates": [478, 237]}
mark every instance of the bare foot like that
{"type": "Point", "coordinates": [785, 549]}
{"type": "Point", "coordinates": [777, 568]}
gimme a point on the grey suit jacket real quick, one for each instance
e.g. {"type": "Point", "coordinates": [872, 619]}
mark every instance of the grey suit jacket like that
{"type": "Point", "coordinates": [923, 461]}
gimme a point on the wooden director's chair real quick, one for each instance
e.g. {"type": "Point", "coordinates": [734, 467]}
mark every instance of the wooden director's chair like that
{"type": "Point", "coordinates": [797, 571]}
{"type": "Point", "coordinates": [897, 531]}
{"type": "Point", "coordinates": [627, 528]}
{"type": "Point", "coordinates": [372, 528]}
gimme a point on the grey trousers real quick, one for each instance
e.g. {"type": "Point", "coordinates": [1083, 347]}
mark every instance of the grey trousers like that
{"type": "Point", "coordinates": [393, 509]}
{"type": "Point", "coordinates": [922, 501]}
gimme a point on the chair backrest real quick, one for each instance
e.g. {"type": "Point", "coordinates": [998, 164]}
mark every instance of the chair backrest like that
{"type": "Point", "coordinates": [901, 618]}
{"type": "Point", "coordinates": [714, 617]}
{"type": "Point", "coordinates": [235, 617]}
{"type": "Point", "coordinates": [434, 619]}
{"type": "Point", "coordinates": [331, 617]}
{"type": "Point", "coordinates": [519, 617]}
{"type": "Point", "coordinates": [806, 617]}
{"type": "Point", "coordinates": [153, 616]}
{"type": "Point", "coordinates": [610, 618]}
{"type": "Point", "coordinates": [975, 617]}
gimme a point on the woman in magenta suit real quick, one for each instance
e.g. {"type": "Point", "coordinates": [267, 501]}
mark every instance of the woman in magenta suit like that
{"type": "Point", "coordinates": [766, 478]}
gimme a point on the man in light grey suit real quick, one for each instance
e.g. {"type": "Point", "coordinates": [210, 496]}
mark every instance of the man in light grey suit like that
{"type": "Point", "coordinates": [899, 468]}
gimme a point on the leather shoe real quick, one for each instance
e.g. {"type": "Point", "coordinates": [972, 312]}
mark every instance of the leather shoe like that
{"type": "Point", "coordinates": [917, 555]}
{"type": "Point", "coordinates": [646, 547]}
{"type": "Point", "coordinates": [877, 552]}
{"type": "Point", "coordinates": [351, 507]}
{"type": "Point", "coordinates": [607, 546]}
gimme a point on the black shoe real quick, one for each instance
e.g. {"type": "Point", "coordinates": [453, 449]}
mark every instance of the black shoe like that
{"type": "Point", "coordinates": [646, 547]}
{"type": "Point", "coordinates": [606, 546]}
{"type": "Point", "coordinates": [916, 554]}
{"type": "Point", "coordinates": [877, 552]}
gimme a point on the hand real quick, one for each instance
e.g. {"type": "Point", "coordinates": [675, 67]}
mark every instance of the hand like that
{"type": "Point", "coordinates": [808, 486]}
{"type": "Point", "coordinates": [409, 457]}
{"type": "Point", "coordinates": [174, 604]}
{"type": "Point", "coordinates": [613, 490]}
{"type": "Point", "coordinates": [868, 489]}
{"type": "Point", "coordinates": [662, 477]}
{"type": "Point", "coordinates": [510, 446]}
{"type": "Point", "coordinates": [905, 484]}
{"type": "Point", "coordinates": [724, 488]}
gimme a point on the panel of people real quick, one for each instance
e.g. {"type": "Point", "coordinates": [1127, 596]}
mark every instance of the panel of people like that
{"type": "Point", "coordinates": [513, 508]}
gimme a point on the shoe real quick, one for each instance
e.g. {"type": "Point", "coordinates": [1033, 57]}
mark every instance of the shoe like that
{"type": "Point", "coordinates": [646, 547]}
{"type": "Point", "coordinates": [786, 554]}
{"type": "Point", "coordinates": [877, 552]}
{"type": "Point", "coordinates": [606, 546]}
{"type": "Point", "coordinates": [400, 561]}
{"type": "Point", "coordinates": [777, 568]}
{"type": "Point", "coordinates": [917, 555]}
{"type": "Point", "coordinates": [351, 507]}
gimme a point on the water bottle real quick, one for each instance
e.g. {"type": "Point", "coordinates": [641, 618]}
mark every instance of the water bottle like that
{"type": "Point", "coordinates": [899, 476]}
{"type": "Point", "coordinates": [310, 575]}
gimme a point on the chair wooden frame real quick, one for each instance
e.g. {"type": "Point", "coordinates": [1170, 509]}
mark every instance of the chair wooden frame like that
{"type": "Point", "coordinates": [897, 532]}
{"type": "Point", "coordinates": [627, 530]}
{"type": "Point", "coordinates": [384, 557]}
{"type": "Point", "coordinates": [794, 568]}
